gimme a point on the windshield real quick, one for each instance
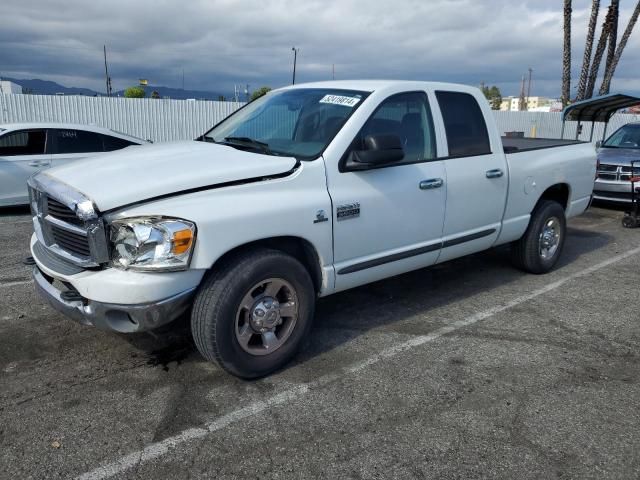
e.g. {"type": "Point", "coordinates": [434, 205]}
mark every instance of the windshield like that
{"type": "Point", "coordinates": [299, 122]}
{"type": "Point", "coordinates": [625, 137]}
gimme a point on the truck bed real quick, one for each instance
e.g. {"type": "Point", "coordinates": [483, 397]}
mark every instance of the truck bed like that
{"type": "Point", "coordinates": [524, 144]}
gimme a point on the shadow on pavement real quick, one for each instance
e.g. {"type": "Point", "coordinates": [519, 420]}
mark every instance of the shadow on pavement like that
{"type": "Point", "coordinates": [352, 313]}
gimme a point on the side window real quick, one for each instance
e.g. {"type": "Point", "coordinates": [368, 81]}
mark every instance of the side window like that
{"type": "Point", "coordinates": [77, 141]}
{"type": "Point", "coordinates": [115, 143]}
{"type": "Point", "coordinates": [24, 142]}
{"type": "Point", "coordinates": [464, 124]}
{"type": "Point", "coordinates": [408, 116]}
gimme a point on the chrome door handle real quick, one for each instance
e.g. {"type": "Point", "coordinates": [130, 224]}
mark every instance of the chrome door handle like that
{"type": "Point", "coordinates": [38, 163]}
{"type": "Point", "coordinates": [495, 173]}
{"type": "Point", "coordinates": [431, 183]}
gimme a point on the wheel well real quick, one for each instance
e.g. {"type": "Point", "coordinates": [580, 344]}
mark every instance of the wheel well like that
{"type": "Point", "coordinates": [299, 248]}
{"type": "Point", "coordinates": [558, 193]}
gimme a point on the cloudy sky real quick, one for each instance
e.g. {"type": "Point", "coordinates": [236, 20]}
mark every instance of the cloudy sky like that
{"type": "Point", "coordinates": [222, 42]}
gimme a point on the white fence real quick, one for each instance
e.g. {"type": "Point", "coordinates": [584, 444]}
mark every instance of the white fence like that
{"type": "Point", "coordinates": [158, 120]}
{"type": "Point", "coordinates": [165, 120]}
{"type": "Point", "coordinates": [549, 125]}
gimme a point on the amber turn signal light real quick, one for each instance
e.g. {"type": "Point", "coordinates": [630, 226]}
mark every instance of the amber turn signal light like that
{"type": "Point", "coordinates": [181, 241]}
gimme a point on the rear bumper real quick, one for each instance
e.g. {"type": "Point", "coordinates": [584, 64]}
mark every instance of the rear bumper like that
{"type": "Point", "coordinates": [112, 316]}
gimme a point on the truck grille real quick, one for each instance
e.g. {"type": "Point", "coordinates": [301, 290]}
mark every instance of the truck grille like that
{"type": "Point", "coordinates": [60, 211]}
{"type": "Point", "coordinates": [67, 224]}
{"type": "Point", "coordinates": [617, 173]}
{"type": "Point", "coordinates": [70, 241]}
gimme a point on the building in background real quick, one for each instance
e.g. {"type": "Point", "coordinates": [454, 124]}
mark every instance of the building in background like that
{"type": "Point", "coordinates": [534, 104]}
{"type": "Point", "coordinates": [9, 87]}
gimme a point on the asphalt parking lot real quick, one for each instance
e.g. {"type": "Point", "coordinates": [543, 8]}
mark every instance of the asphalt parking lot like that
{"type": "Point", "coordinates": [470, 369]}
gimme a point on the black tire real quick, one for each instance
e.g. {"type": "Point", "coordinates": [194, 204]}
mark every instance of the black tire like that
{"type": "Point", "coordinates": [215, 311]}
{"type": "Point", "coordinates": [629, 221]}
{"type": "Point", "coordinates": [526, 252]}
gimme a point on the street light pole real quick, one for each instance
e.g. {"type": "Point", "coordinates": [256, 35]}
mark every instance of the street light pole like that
{"type": "Point", "coordinates": [295, 57]}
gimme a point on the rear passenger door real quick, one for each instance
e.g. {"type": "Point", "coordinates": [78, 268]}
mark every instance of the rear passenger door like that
{"type": "Point", "coordinates": [477, 177]}
{"type": "Point", "coordinates": [69, 145]}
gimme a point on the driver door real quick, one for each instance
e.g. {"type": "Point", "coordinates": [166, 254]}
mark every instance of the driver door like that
{"type": "Point", "coordinates": [388, 219]}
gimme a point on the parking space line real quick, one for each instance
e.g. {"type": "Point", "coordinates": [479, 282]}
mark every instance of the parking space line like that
{"type": "Point", "coordinates": [158, 449]}
{"type": "Point", "coordinates": [14, 284]}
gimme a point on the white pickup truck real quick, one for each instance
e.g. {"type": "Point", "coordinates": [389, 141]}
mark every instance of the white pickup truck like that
{"type": "Point", "coordinates": [307, 191]}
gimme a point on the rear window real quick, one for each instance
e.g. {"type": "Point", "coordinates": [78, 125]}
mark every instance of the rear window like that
{"type": "Point", "coordinates": [77, 141]}
{"type": "Point", "coordinates": [115, 143]}
{"type": "Point", "coordinates": [464, 124]}
{"type": "Point", "coordinates": [23, 142]}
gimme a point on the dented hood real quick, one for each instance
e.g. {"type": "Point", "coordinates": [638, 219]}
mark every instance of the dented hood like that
{"type": "Point", "coordinates": [143, 172]}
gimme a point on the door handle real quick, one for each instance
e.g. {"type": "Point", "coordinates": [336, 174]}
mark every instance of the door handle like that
{"type": "Point", "coordinates": [495, 173]}
{"type": "Point", "coordinates": [431, 183]}
{"type": "Point", "coordinates": [38, 163]}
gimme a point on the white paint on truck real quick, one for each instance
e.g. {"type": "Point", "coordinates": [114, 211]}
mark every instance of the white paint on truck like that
{"type": "Point", "coordinates": [370, 178]}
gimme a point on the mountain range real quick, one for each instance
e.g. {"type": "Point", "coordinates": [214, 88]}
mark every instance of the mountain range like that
{"type": "Point", "coordinates": [37, 86]}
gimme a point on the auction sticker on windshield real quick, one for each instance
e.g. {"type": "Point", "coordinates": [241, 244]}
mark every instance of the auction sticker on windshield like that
{"type": "Point", "coordinates": [340, 100]}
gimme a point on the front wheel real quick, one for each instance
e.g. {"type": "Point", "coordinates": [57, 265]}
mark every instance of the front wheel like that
{"type": "Point", "coordinates": [253, 312]}
{"type": "Point", "coordinates": [541, 245]}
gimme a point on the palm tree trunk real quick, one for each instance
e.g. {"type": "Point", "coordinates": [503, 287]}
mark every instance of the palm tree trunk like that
{"type": "Point", "coordinates": [606, 82]}
{"type": "Point", "coordinates": [597, 57]}
{"type": "Point", "coordinates": [566, 54]}
{"type": "Point", "coordinates": [588, 47]}
{"type": "Point", "coordinates": [613, 41]}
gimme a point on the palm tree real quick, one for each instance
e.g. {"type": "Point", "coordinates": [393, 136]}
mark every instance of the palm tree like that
{"type": "Point", "coordinates": [586, 59]}
{"type": "Point", "coordinates": [608, 74]}
{"type": "Point", "coordinates": [566, 54]}
{"type": "Point", "coordinates": [613, 40]}
{"type": "Point", "coordinates": [597, 57]}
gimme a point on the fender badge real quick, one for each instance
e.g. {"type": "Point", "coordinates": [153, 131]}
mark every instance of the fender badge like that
{"type": "Point", "coordinates": [320, 217]}
{"type": "Point", "coordinates": [350, 210]}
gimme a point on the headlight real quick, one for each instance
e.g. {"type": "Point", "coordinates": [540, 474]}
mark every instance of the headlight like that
{"type": "Point", "coordinates": [152, 243]}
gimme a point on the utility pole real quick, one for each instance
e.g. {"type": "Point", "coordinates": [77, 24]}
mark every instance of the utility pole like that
{"type": "Point", "coordinates": [106, 72]}
{"type": "Point", "coordinates": [522, 103]}
{"type": "Point", "coordinates": [183, 79]}
{"type": "Point", "coordinates": [333, 71]}
{"type": "Point", "coordinates": [529, 85]}
{"type": "Point", "coordinates": [295, 58]}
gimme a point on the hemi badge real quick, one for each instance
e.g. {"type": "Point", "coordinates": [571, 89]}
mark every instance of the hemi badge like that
{"type": "Point", "coordinates": [350, 210]}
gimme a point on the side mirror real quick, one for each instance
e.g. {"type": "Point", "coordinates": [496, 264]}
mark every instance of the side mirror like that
{"type": "Point", "coordinates": [598, 143]}
{"type": "Point", "coordinates": [378, 150]}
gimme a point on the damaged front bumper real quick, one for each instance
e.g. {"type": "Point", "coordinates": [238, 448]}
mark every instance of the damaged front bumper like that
{"type": "Point", "coordinates": [112, 316]}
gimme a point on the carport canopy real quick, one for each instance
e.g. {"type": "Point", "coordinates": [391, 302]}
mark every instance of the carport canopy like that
{"type": "Point", "coordinates": [598, 109]}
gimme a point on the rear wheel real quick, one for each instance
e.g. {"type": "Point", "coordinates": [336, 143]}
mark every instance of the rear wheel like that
{"type": "Point", "coordinates": [541, 245]}
{"type": "Point", "coordinates": [253, 312]}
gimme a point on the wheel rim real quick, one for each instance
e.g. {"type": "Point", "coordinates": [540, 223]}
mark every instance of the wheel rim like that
{"type": "Point", "coordinates": [266, 316]}
{"type": "Point", "coordinates": [550, 238]}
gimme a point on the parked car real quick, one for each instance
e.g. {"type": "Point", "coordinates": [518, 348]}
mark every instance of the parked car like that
{"type": "Point", "coordinates": [307, 191]}
{"type": "Point", "coordinates": [28, 148]}
{"type": "Point", "coordinates": [614, 164]}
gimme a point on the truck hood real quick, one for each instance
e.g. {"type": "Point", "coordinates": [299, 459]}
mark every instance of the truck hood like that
{"type": "Point", "coordinates": [618, 156]}
{"type": "Point", "coordinates": [141, 173]}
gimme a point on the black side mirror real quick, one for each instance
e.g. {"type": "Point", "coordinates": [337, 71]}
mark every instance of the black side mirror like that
{"type": "Point", "coordinates": [378, 150]}
{"type": "Point", "coordinates": [598, 143]}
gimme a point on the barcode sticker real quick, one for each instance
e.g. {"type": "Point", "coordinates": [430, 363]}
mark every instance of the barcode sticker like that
{"type": "Point", "coordinates": [340, 100]}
